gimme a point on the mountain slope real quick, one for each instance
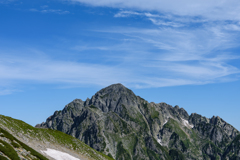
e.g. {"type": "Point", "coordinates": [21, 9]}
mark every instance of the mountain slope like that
{"type": "Point", "coordinates": [12, 148]}
{"type": "Point", "coordinates": [117, 122]}
{"type": "Point", "coordinates": [44, 139]}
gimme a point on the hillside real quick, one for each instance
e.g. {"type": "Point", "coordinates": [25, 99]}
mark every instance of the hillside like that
{"type": "Point", "coordinates": [124, 126]}
{"type": "Point", "coordinates": [12, 148]}
{"type": "Point", "coordinates": [23, 138]}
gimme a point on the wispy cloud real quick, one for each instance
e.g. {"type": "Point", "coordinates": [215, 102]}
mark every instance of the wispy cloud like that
{"type": "Point", "coordinates": [135, 69]}
{"type": "Point", "coordinates": [193, 56]}
{"type": "Point", "coordinates": [6, 1]}
{"type": "Point", "coordinates": [212, 9]}
{"type": "Point", "coordinates": [51, 71]}
{"type": "Point", "coordinates": [185, 46]}
{"type": "Point", "coordinates": [163, 23]}
{"type": "Point", "coordinates": [127, 14]}
{"type": "Point", "coordinates": [84, 48]}
{"type": "Point", "coordinates": [163, 19]}
{"type": "Point", "coordinates": [45, 9]}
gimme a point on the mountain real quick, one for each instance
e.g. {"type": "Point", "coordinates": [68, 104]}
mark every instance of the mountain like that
{"type": "Point", "coordinates": [18, 140]}
{"type": "Point", "coordinates": [124, 126]}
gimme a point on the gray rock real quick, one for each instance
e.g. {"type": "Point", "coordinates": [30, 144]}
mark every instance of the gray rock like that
{"type": "Point", "coordinates": [118, 122]}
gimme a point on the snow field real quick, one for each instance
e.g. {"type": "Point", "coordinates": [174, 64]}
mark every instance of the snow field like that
{"type": "Point", "coordinates": [58, 155]}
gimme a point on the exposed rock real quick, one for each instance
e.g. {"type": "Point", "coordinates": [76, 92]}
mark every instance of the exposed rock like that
{"type": "Point", "coordinates": [117, 122]}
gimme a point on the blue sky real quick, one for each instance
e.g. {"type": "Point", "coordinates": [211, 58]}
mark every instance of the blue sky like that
{"type": "Point", "coordinates": [183, 53]}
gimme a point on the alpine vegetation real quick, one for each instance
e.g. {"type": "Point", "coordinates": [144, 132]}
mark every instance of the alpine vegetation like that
{"type": "Point", "coordinates": [21, 141]}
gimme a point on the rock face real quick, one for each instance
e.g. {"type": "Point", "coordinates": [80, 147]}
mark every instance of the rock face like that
{"type": "Point", "coordinates": [120, 124]}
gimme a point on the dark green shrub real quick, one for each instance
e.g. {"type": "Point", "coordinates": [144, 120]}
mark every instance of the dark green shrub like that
{"type": "Point", "coordinates": [92, 106]}
{"type": "Point", "coordinates": [8, 150]}
{"type": "Point", "coordinates": [176, 155]}
{"type": "Point", "coordinates": [15, 145]}
{"type": "Point", "coordinates": [33, 152]}
{"type": "Point", "coordinates": [3, 158]}
{"type": "Point", "coordinates": [109, 155]}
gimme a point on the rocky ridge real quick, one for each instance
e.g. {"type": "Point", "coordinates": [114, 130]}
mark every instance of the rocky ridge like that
{"type": "Point", "coordinates": [124, 126]}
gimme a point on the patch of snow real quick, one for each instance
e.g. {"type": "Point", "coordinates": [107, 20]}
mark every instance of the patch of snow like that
{"type": "Point", "coordinates": [186, 123]}
{"type": "Point", "coordinates": [58, 155]}
{"type": "Point", "coordinates": [165, 122]}
{"type": "Point", "coordinates": [159, 141]}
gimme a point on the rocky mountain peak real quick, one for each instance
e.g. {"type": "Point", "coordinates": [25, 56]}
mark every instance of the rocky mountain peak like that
{"type": "Point", "coordinates": [113, 97]}
{"type": "Point", "coordinates": [115, 90]}
{"type": "Point", "coordinates": [118, 123]}
{"type": "Point", "coordinates": [115, 87]}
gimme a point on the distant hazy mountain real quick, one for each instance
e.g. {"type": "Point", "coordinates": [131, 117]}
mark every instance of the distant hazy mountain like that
{"type": "Point", "coordinates": [124, 126]}
{"type": "Point", "coordinates": [19, 140]}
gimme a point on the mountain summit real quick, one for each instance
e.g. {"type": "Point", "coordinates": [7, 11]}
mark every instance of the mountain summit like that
{"type": "Point", "coordinates": [112, 97]}
{"type": "Point", "coordinates": [124, 126]}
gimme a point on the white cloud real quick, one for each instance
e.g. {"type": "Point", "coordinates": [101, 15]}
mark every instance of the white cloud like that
{"type": "Point", "coordinates": [166, 20]}
{"type": "Point", "coordinates": [45, 10]}
{"type": "Point", "coordinates": [135, 67]}
{"type": "Point", "coordinates": [196, 56]}
{"type": "Point", "coordinates": [84, 48]}
{"type": "Point", "coordinates": [163, 23]}
{"type": "Point", "coordinates": [51, 71]}
{"type": "Point", "coordinates": [201, 71]}
{"type": "Point", "coordinates": [154, 18]}
{"type": "Point", "coordinates": [170, 54]}
{"type": "Point", "coordinates": [183, 43]}
{"type": "Point", "coordinates": [126, 14]}
{"type": "Point", "coordinates": [210, 9]}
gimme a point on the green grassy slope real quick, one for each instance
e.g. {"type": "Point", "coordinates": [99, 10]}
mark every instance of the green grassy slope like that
{"type": "Point", "coordinates": [19, 128]}
{"type": "Point", "coordinates": [10, 145]}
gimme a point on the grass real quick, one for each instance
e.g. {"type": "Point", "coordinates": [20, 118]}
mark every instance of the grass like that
{"type": "Point", "coordinates": [130, 142]}
{"type": "Point", "coordinates": [230, 151]}
{"type": "Point", "coordinates": [185, 142]}
{"type": "Point", "coordinates": [164, 149]}
{"type": "Point", "coordinates": [52, 136]}
{"type": "Point", "coordinates": [175, 154]}
{"type": "Point", "coordinates": [154, 115]}
{"type": "Point", "coordinates": [93, 107]}
{"type": "Point", "coordinates": [174, 126]}
{"type": "Point", "coordinates": [122, 154]}
{"type": "Point", "coordinates": [109, 155]}
{"type": "Point", "coordinates": [124, 126]}
{"type": "Point", "coordinates": [33, 152]}
{"type": "Point", "coordinates": [15, 145]}
{"type": "Point", "coordinates": [137, 119]}
{"type": "Point", "coordinates": [8, 150]}
{"type": "Point", "coordinates": [152, 155]}
{"type": "Point", "coordinates": [3, 158]}
{"type": "Point", "coordinates": [18, 145]}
